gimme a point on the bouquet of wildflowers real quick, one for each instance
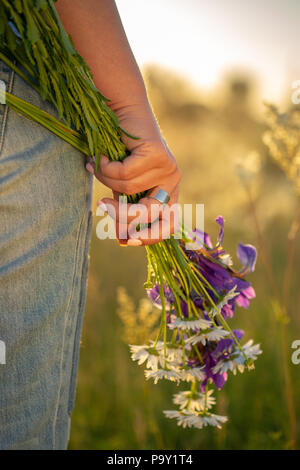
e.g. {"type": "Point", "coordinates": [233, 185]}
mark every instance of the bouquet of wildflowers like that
{"type": "Point", "coordinates": [197, 345]}
{"type": "Point", "coordinates": [196, 289]}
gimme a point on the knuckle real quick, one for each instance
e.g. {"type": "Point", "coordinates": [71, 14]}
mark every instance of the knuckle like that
{"type": "Point", "coordinates": [128, 188]}
{"type": "Point", "coordinates": [125, 172]}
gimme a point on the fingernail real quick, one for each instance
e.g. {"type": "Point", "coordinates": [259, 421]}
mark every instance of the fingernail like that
{"type": "Point", "coordinates": [102, 205]}
{"type": "Point", "coordinates": [90, 168]}
{"type": "Point", "coordinates": [134, 242]}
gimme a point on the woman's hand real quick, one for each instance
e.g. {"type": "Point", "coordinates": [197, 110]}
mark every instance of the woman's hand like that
{"type": "Point", "coordinates": [150, 166]}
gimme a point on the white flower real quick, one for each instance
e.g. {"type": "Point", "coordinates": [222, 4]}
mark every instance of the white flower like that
{"type": "Point", "coordinates": [191, 374]}
{"type": "Point", "coordinates": [231, 294]}
{"type": "Point", "coordinates": [252, 351]}
{"type": "Point", "coordinates": [197, 420]}
{"type": "Point", "coordinates": [173, 354]}
{"type": "Point", "coordinates": [155, 357]}
{"type": "Point", "coordinates": [197, 324]}
{"type": "Point", "coordinates": [214, 334]}
{"type": "Point", "coordinates": [237, 359]}
{"type": "Point", "coordinates": [194, 401]}
{"type": "Point", "coordinates": [142, 354]}
{"type": "Point", "coordinates": [159, 374]}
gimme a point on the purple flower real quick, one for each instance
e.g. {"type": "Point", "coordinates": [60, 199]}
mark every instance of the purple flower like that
{"type": "Point", "coordinates": [213, 354]}
{"type": "Point", "coordinates": [202, 238]}
{"type": "Point", "coordinates": [247, 255]}
{"type": "Point", "coordinates": [210, 263]}
{"type": "Point", "coordinates": [220, 221]}
{"type": "Point", "coordinates": [154, 296]}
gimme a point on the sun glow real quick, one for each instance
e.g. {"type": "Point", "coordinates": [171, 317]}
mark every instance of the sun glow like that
{"type": "Point", "coordinates": [204, 40]}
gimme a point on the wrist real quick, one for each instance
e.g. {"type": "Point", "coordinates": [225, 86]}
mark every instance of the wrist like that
{"type": "Point", "coordinates": [138, 119]}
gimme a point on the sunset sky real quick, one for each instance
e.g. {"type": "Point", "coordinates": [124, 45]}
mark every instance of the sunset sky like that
{"type": "Point", "coordinates": [205, 39]}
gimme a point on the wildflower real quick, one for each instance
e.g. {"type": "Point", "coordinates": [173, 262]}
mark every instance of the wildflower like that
{"type": "Point", "coordinates": [202, 349]}
{"type": "Point", "coordinates": [154, 296]}
{"type": "Point", "coordinates": [143, 354]}
{"type": "Point", "coordinates": [192, 374]}
{"type": "Point", "coordinates": [224, 302]}
{"type": "Point", "coordinates": [159, 374]}
{"type": "Point", "coordinates": [214, 334]}
{"type": "Point", "coordinates": [236, 361]}
{"type": "Point", "coordinates": [247, 256]}
{"type": "Point", "coordinates": [195, 324]}
{"type": "Point", "coordinates": [194, 401]}
{"type": "Point", "coordinates": [215, 265]}
{"type": "Point", "coordinates": [197, 420]}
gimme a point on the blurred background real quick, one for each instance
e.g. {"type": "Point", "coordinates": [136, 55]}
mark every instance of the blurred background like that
{"type": "Point", "coordinates": [209, 67]}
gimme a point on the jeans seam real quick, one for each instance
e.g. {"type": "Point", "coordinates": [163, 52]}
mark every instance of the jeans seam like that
{"type": "Point", "coordinates": [5, 115]}
{"type": "Point", "coordinates": [82, 298]}
{"type": "Point", "coordinates": [65, 325]}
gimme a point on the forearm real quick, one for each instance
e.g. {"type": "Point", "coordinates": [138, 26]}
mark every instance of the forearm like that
{"type": "Point", "coordinates": [98, 35]}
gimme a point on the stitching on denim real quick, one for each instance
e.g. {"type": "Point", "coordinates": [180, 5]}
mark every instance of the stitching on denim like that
{"type": "Point", "coordinates": [64, 333]}
{"type": "Point", "coordinates": [5, 114]}
{"type": "Point", "coordinates": [82, 301]}
{"type": "Point", "coordinates": [66, 320]}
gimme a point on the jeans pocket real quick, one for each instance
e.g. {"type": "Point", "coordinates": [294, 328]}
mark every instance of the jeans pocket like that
{"type": "Point", "coordinates": [6, 83]}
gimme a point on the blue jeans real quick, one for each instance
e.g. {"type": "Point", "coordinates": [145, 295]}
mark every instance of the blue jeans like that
{"type": "Point", "coordinates": [45, 227]}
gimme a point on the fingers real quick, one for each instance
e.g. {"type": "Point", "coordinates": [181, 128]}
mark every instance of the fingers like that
{"type": "Point", "coordinates": [144, 158]}
{"type": "Point", "coordinates": [148, 209]}
{"type": "Point", "coordinates": [130, 217]}
{"type": "Point", "coordinates": [125, 213]}
{"type": "Point", "coordinates": [150, 167]}
{"type": "Point", "coordinates": [161, 229]}
{"type": "Point", "coordinates": [137, 173]}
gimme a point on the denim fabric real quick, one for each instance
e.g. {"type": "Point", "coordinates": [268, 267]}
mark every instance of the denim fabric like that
{"type": "Point", "coordinates": [45, 227]}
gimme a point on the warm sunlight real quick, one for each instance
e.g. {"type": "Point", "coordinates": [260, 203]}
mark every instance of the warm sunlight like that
{"type": "Point", "coordinates": [204, 40]}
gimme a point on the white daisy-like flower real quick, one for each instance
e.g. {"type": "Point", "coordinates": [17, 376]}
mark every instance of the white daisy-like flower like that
{"type": "Point", "coordinates": [141, 354]}
{"type": "Point", "coordinates": [192, 374]}
{"type": "Point", "coordinates": [155, 358]}
{"type": "Point", "coordinates": [159, 374]}
{"type": "Point", "coordinates": [214, 334]}
{"type": "Point", "coordinates": [159, 345]}
{"type": "Point", "coordinates": [196, 420]}
{"type": "Point", "coordinates": [173, 354]}
{"type": "Point", "coordinates": [237, 359]}
{"type": "Point", "coordinates": [252, 351]}
{"type": "Point", "coordinates": [197, 324]}
{"type": "Point", "coordinates": [231, 294]}
{"type": "Point", "coordinates": [194, 401]}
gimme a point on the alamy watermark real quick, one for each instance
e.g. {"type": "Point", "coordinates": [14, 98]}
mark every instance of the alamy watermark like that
{"type": "Point", "coordinates": [295, 358]}
{"type": "Point", "coordinates": [133, 221]}
{"type": "Point", "coordinates": [2, 92]}
{"type": "Point", "coordinates": [2, 352]}
{"type": "Point", "coordinates": [296, 93]}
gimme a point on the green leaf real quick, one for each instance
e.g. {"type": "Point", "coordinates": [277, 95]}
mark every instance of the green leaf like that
{"type": "Point", "coordinates": [18, 6]}
{"type": "Point", "coordinates": [32, 31]}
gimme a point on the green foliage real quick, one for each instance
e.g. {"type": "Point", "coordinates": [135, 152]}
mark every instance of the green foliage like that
{"type": "Point", "coordinates": [33, 38]}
